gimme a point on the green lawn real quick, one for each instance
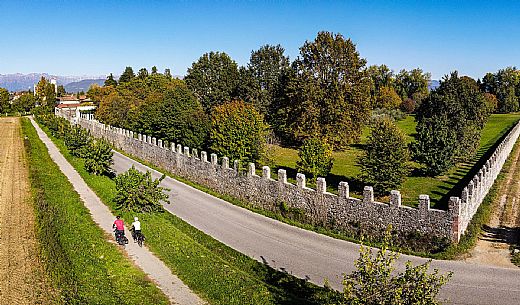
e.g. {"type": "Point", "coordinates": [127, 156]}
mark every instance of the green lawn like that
{"type": "Point", "coordinates": [438, 188]}
{"type": "Point", "coordinates": [216, 272]}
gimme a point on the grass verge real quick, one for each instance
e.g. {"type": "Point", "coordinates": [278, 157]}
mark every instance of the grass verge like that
{"type": "Point", "coordinates": [216, 272]}
{"type": "Point", "coordinates": [80, 262]}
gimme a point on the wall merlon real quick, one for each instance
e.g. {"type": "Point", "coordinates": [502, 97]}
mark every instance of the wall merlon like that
{"type": "Point", "coordinates": [343, 190]}
{"type": "Point", "coordinates": [300, 180]}
{"type": "Point", "coordinates": [179, 149]}
{"type": "Point", "coordinates": [204, 156]}
{"type": "Point", "coordinates": [225, 162]}
{"type": "Point", "coordinates": [251, 170]}
{"type": "Point", "coordinates": [186, 151]}
{"type": "Point", "coordinates": [395, 198]}
{"type": "Point", "coordinates": [213, 158]}
{"type": "Point", "coordinates": [160, 143]}
{"type": "Point", "coordinates": [321, 185]}
{"type": "Point", "coordinates": [266, 172]}
{"type": "Point", "coordinates": [424, 203]}
{"type": "Point", "coordinates": [282, 176]}
{"type": "Point", "coordinates": [368, 194]}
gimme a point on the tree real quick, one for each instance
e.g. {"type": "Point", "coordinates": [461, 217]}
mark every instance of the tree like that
{"type": "Point", "coordinates": [387, 98]}
{"type": "Point", "coordinates": [491, 102]}
{"type": "Point", "coordinates": [4, 101]}
{"type": "Point", "coordinates": [213, 79]}
{"type": "Point", "coordinates": [61, 90]}
{"type": "Point", "coordinates": [138, 192]}
{"type": "Point", "coordinates": [265, 71]}
{"type": "Point", "coordinates": [78, 141]}
{"type": "Point", "coordinates": [384, 163]}
{"type": "Point", "coordinates": [168, 73]}
{"type": "Point", "coordinates": [375, 281]}
{"type": "Point", "coordinates": [237, 131]}
{"type": "Point", "coordinates": [45, 92]}
{"type": "Point", "coordinates": [127, 75]}
{"type": "Point", "coordinates": [177, 116]}
{"type": "Point", "coordinates": [110, 81]}
{"type": "Point", "coordinates": [154, 70]}
{"type": "Point", "coordinates": [315, 158]}
{"type": "Point", "coordinates": [98, 158]}
{"type": "Point", "coordinates": [143, 74]}
{"type": "Point", "coordinates": [328, 92]}
{"type": "Point", "coordinates": [506, 83]}
{"type": "Point", "coordinates": [25, 103]}
{"type": "Point", "coordinates": [412, 84]}
{"type": "Point", "coordinates": [408, 105]}
{"type": "Point", "coordinates": [449, 124]}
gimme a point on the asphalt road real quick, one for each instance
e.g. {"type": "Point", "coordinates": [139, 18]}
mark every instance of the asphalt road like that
{"type": "Point", "coordinates": [316, 257]}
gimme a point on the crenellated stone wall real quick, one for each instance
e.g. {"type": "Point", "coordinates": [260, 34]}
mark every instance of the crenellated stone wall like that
{"type": "Point", "coordinates": [318, 206]}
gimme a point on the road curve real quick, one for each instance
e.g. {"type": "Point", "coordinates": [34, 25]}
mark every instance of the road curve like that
{"type": "Point", "coordinates": [316, 257]}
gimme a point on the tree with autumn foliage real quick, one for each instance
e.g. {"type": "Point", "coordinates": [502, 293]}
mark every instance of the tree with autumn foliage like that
{"type": "Point", "coordinates": [328, 92]}
{"type": "Point", "coordinates": [237, 131]}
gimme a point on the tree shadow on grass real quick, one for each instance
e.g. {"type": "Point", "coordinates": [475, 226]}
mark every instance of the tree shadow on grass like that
{"type": "Point", "coordinates": [290, 290]}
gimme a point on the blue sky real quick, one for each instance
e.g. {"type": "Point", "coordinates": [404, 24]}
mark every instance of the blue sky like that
{"type": "Point", "coordinates": [99, 37]}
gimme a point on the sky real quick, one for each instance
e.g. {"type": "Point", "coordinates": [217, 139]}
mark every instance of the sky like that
{"type": "Point", "coordinates": [100, 37]}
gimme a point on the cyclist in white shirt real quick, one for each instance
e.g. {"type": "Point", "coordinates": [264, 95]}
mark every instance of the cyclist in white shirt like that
{"type": "Point", "coordinates": [136, 228]}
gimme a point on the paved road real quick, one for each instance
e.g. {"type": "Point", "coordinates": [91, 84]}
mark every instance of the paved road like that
{"type": "Point", "coordinates": [314, 256]}
{"type": "Point", "coordinates": [170, 284]}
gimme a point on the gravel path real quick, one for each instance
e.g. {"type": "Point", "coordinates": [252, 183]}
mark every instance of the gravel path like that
{"type": "Point", "coordinates": [172, 286]}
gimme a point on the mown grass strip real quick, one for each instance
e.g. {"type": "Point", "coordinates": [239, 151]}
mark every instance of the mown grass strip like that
{"type": "Point", "coordinates": [216, 272]}
{"type": "Point", "coordinates": [81, 263]}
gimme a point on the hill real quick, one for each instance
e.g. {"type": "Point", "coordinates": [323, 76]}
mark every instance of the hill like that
{"type": "Point", "coordinates": [83, 85]}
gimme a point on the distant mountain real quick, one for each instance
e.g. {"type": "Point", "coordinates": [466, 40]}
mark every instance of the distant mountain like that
{"type": "Point", "coordinates": [83, 85]}
{"type": "Point", "coordinates": [19, 82]}
{"type": "Point", "coordinates": [433, 84]}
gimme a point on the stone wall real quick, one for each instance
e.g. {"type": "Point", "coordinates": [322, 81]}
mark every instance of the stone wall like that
{"type": "Point", "coordinates": [318, 206]}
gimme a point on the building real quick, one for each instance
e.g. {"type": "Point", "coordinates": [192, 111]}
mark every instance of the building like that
{"type": "Point", "coordinates": [70, 106]}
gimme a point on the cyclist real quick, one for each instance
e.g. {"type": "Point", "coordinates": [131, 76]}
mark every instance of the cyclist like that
{"type": "Point", "coordinates": [136, 228]}
{"type": "Point", "coordinates": [119, 225]}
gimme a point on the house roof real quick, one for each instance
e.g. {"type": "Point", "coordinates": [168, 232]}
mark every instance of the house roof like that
{"type": "Point", "coordinates": [75, 105]}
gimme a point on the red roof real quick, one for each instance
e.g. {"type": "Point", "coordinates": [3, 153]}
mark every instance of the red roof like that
{"type": "Point", "coordinates": [75, 105]}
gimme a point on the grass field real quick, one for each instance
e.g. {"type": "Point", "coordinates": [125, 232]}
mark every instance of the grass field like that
{"type": "Point", "coordinates": [81, 263]}
{"type": "Point", "coordinates": [438, 188]}
{"type": "Point", "coordinates": [216, 272]}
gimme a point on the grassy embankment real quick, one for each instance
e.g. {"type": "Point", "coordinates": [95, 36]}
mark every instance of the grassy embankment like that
{"type": "Point", "coordinates": [81, 263]}
{"type": "Point", "coordinates": [216, 272]}
{"type": "Point", "coordinates": [438, 188]}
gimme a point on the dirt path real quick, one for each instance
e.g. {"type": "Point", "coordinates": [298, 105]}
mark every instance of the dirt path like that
{"type": "Point", "coordinates": [504, 226]}
{"type": "Point", "coordinates": [21, 274]}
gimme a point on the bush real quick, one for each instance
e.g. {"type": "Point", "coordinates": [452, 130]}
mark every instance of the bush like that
{"type": "Point", "coordinates": [315, 158]}
{"type": "Point", "coordinates": [387, 98]}
{"type": "Point", "coordinates": [238, 132]}
{"type": "Point", "coordinates": [99, 157]}
{"type": "Point", "coordinates": [394, 114]}
{"type": "Point", "coordinates": [138, 192]}
{"type": "Point", "coordinates": [376, 282]}
{"type": "Point", "coordinates": [408, 105]}
{"type": "Point", "coordinates": [77, 141]}
{"type": "Point", "coordinates": [384, 162]}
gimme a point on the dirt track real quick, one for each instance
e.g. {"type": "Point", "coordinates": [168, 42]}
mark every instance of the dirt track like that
{"type": "Point", "coordinates": [504, 227]}
{"type": "Point", "coordinates": [21, 279]}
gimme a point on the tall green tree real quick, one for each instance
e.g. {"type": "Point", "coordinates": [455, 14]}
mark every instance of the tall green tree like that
{"type": "Point", "coordinates": [176, 116]}
{"type": "Point", "coordinates": [213, 79]}
{"type": "Point", "coordinates": [127, 75]}
{"type": "Point", "coordinates": [315, 158]}
{"type": "Point", "coordinates": [142, 74]}
{"type": "Point", "coordinates": [154, 70]}
{"type": "Point", "coordinates": [412, 84]}
{"type": "Point", "coordinates": [25, 103]}
{"type": "Point", "coordinates": [449, 124]}
{"type": "Point", "coordinates": [237, 131]}
{"type": "Point", "coordinates": [328, 91]}
{"type": "Point", "coordinates": [265, 68]}
{"type": "Point", "coordinates": [110, 81]}
{"type": "Point", "coordinates": [61, 90]}
{"type": "Point", "coordinates": [384, 163]}
{"type": "Point", "coordinates": [4, 101]}
{"type": "Point", "coordinates": [167, 73]}
{"type": "Point", "coordinates": [46, 93]}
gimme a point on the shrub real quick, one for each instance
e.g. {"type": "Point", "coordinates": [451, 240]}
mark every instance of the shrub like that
{"type": "Point", "coordinates": [138, 192]}
{"type": "Point", "coordinates": [387, 98]}
{"type": "Point", "coordinates": [238, 131]}
{"type": "Point", "coordinates": [315, 157]}
{"type": "Point", "coordinates": [384, 162]}
{"type": "Point", "coordinates": [408, 105]}
{"type": "Point", "coordinates": [98, 158]}
{"type": "Point", "coordinates": [376, 282]}
{"type": "Point", "coordinates": [77, 141]}
{"type": "Point", "coordinates": [394, 114]}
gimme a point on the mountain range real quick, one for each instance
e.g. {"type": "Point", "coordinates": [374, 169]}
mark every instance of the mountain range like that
{"type": "Point", "coordinates": [20, 82]}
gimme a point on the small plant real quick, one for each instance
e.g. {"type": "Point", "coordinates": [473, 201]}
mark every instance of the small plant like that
{"type": "Point", "coordinates": [315, 157]}
{"type": "Point", "coordinates": [77, 141]}
{"type": "Point", "coordinates": [376, 282]}
{"type": "Point", "coordinates": [138, 192]}
{"type": "Point", "coordinates": [98, 158]}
